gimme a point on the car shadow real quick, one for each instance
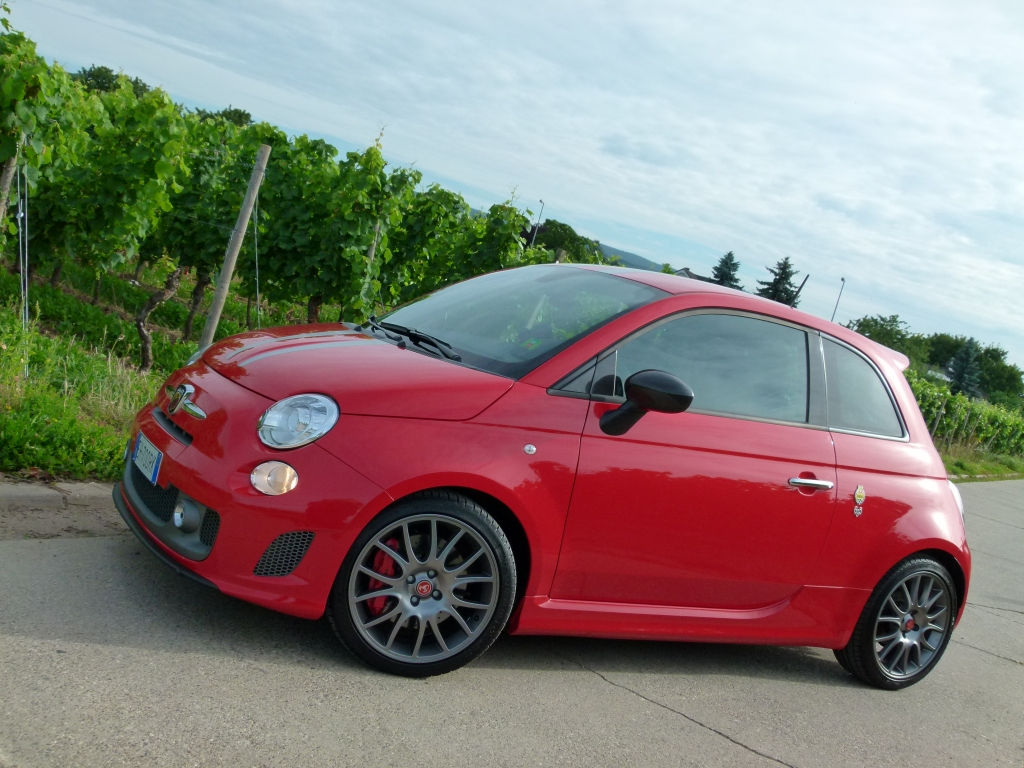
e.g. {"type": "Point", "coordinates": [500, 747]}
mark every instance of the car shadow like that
{"type": "Point", "coordinates": [130, 599]}
{"type": "Point", "coordinates": [638, 657]}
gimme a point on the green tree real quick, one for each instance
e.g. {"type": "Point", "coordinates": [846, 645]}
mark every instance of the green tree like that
{"type": "Point", "coordinates": [942, 347]}
{"type": "Point", "coordinates": [99, 210]}
{"type": "Point", "coordinates": [105, 79]}
{"type": "Point", "coordinates": [371, 203]}
{"type": "Point", "coordinates": [1001, 382]}
{"type": "Point", "coordinates": [328, 224]}
{"type": "Point", "coordinates": [781, 287]}
{"type": "Point", "coordinates": [42, 117]}
{"type": "Point", "coordinates": [496, 241]}
{"type": "Point", "coordinates": [965, 371]}
{"type": "Point", "coordinates": [725, 271]}
{"type": "Point", "coordinates": [298, 255]}
{"type": "Point", "coordinates": [566, 245]}
{"type": "Point", "coordinates": [429, 245]}
{"type": "Point", "coordinates": [233, 115]}
{"type": "Point", "coordinates": [194, 232]}
{"type": "Point", "coordinates": [894, 333]}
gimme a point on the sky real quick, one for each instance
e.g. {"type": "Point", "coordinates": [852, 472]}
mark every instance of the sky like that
{"type": "Point", "coordinates": [876, 142]}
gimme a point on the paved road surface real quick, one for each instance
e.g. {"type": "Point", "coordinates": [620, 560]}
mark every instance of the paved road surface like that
{"type": "Point", "coordinates": [109, 659]}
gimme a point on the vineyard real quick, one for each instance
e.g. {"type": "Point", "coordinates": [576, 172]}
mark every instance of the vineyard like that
{"type": "Point", "coordinates": [115, 208]}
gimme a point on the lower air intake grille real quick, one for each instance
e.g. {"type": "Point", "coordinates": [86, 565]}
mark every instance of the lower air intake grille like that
{"type": "Point", "coordinates": [284, 554]}
{"type": "Point", "coordinates": [208, 531]}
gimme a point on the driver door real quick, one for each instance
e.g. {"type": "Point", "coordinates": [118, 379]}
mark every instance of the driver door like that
{"type": "Point", "coordinates": [725, 506]}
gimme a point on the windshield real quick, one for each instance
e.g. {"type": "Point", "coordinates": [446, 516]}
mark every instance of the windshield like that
{"type": "Point", "coordinates": [510, 322]}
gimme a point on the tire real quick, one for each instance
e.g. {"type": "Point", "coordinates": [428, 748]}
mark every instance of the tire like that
{"type": "Point", "coordinates": [905, 626]}
{"type": "Point", "coordinates": [426, 588]}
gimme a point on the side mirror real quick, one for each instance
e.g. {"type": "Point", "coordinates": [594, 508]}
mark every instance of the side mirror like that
{"type": "Point", "coordinates": [648, 390]}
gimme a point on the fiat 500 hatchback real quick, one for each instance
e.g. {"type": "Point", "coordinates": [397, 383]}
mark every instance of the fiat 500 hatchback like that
{"type": "Point", "coordinates": [562, 449]}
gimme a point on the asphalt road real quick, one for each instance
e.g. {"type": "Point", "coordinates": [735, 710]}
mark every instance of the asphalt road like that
{"type": "Point", "coordinates": [108, 659]}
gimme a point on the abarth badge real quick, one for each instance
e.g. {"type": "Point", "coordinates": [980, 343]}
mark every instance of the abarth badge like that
{"type": "Point", "coordinates": [180, 398]}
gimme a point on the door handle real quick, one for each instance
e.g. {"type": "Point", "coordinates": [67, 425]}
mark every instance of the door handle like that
{"type": "Point", "coordinates": [814, 485]}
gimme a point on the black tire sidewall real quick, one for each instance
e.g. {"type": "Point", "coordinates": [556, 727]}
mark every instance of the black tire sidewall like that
{"type": "Point", "coordinates": [859, 656]}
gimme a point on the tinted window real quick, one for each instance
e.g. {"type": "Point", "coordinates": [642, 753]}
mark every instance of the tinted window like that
{"type": "Point", "coordinates": [858, 399]}
{"type": "Point", "coordinates": [510, 322]}
{"type": "Point", "coordinates": [735, 364]}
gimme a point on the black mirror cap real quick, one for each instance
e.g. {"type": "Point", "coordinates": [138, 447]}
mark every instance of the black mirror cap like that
{"type": "Point", "coordinates": [659, 391]}
{"type": "Point", "coordinates": [649, 390]}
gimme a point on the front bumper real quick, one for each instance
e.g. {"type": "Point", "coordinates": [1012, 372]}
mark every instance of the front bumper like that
{"type": "Point", "coordinates": [281, 552]}
{"type": "Point", "coordinates": [136, 528]}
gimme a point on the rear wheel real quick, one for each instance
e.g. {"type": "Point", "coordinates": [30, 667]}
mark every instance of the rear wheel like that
{"type": "Point", "coordinates": [426, 588]}
{"type": "Point", "coordinates": [905, 626]}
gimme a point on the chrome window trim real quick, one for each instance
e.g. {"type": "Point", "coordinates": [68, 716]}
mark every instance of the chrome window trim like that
{"type": "Point", "coordinates": [905, 436]}
{"type": "Point", "coordinates": [816, 393]}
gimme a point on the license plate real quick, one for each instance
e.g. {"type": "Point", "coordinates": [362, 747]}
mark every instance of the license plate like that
{"type": "Point", "coordinates": [147, 458]}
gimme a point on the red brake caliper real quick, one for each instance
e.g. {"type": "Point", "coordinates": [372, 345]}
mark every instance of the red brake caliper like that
{"type": "Point", "coordinates": [385, 565]}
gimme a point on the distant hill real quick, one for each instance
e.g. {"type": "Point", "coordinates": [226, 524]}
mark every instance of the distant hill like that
{"type": "Point", "coordinates": [627, 259]}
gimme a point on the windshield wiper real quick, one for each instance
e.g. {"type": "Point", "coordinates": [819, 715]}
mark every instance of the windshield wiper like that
{"type": "Point", "coordinates": [373, 324]}
{"type": "Point", "coordinates": [420, 338]}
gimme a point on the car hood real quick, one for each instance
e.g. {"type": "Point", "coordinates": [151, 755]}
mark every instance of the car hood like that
{"type": "Point", "coordinates": [363, 374]}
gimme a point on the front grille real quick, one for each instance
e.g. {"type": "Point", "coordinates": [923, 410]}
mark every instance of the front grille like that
{"type": "Point", "coordinates": [284, 554]}
{"type": "Point", "coordinates": [159, 501]}
{"type": "Point", "coordinates": [171, 428]}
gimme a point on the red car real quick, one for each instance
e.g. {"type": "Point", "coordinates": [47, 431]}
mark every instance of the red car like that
{"type": "Point", "coordinates": [562, 449]}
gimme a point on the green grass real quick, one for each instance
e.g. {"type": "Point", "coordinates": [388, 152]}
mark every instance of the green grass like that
{"type": "Point", "coordinates": [65, 410]}
{"type": "Point", "coordinates": [968, 464]}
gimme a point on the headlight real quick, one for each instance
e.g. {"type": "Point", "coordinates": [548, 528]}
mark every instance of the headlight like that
{"type": "Point", "coordinates": [297, 420]}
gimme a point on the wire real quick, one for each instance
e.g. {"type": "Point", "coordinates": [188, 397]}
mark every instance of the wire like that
{"type": "Point", "coordinates": [256, 251]}
{"type": "Point", "coordinates": [21, 215]}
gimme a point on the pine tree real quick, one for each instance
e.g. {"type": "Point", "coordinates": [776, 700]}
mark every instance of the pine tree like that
{"type": "Point", "coordinates": [965, 370]}
{"type": "Point", "coordinates": [781, 287]}
{"type": "Point", "coordinates": [725, 271]}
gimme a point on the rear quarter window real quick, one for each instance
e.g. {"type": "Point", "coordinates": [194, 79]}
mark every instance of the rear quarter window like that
{"type": "Point", "coordinates": [858, 398]}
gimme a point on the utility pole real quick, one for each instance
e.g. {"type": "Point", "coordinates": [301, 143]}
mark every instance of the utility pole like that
{"type": "Point", "coordinates": [836, 307]}
{"type": "Point", "coordinates": [220, 294]}
{"type": "Point", "coordinates": [798, 290]}
{"type": "Point", "coordinates": [537, 225]}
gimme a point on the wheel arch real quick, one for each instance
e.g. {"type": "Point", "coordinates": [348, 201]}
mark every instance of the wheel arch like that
{"type": "Point", "coordinates": [956, 572]}
{"type": "Point", "coordinates": [947, 560]}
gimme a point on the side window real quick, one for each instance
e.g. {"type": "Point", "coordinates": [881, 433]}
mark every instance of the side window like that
{"type": "Point", "coordinates": [735, 364]}
{"type": "Point", "coordinates": [858, 399]}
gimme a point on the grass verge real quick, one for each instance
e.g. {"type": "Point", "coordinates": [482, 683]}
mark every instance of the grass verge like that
{"type": "Point", "coordinates": [965, 464]}
{"type": "Point", "coordinates": [65, 409]}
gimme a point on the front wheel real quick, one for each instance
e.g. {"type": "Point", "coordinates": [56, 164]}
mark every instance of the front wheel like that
{"type": "Point", "coordinates": [426, 588]}
{"type": "Point", "coordinates": [905, 626]}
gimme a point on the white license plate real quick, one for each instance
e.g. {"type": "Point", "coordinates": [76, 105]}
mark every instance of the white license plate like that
{"type": "Point", "coordinates": [147, 458]}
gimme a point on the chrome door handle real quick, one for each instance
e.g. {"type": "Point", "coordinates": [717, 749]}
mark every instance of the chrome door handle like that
{"type": "Point", "coordinates": [814, 485]}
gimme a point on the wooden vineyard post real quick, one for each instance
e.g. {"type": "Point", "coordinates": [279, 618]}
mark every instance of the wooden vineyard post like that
{"type": "Point", "coordinates": [220, 294]}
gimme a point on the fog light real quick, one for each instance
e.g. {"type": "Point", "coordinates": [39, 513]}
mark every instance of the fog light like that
{"type": "Point", "coordinates": [186, 516]}
{"type": "Point", "coordinates": [274, 478]}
